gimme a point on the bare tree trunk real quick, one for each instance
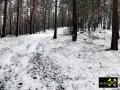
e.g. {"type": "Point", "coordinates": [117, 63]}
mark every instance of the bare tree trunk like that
{"type": "Point", "coordinates": [109, 18]}
{"type": "Point", "coordinates": [21, 23]}
{"type": "Point", "coordinates": [44, 20]}
{"type": "Point", "coordinates": [32, 16]}
{"type": "Point", "coordinates": [55, 27]}
{"type": "Point", "coordinates": [0, 22]}
{"type": "Point", "coordinates": [10, 17]}
{"type": "Point", "coordinates": [74, 32]}
{"type": "Point", "coordinates": [62, 17]}
{"type": "Point", "coordinates": [18, 13]}
{"type": "Point", "coordinates": [115, 26]}
{"type": "Point", "coordinates": [49, 19]}
{"type": "Point", "coordinates": [4, 19]}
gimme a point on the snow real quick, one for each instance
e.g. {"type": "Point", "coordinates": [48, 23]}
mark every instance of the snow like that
{"type": "Point", "coordinates": [38, 62]}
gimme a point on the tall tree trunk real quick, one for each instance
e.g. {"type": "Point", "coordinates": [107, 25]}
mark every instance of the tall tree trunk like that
{"type": "Point", "coordinates": [0, 19]}
{"type": "Point", "coordinates": [74, 32]}
{"type": "Point", "coordinates": [109, 18]}
{"type": "Point", "coordinates": [10, 17]}
{"type": "Point", "coordinates": [115, 26]}
{"type": "Point", "coordinates": [21, 23]}
{"type": "Point", "coordinates": [0, 24]}
{"type": "Point", "coordinates": [27, 17]}
{"type": "Point", "coordinates": [44, 20]}
{"type": "Point", "coordinates": [32, 16]}
{"type": "Point", "coordinates": [55, 23]}
{"type": "Point", "coordinates": [18, 11]}
{"type": "Point", "coordinates": [104, 17]}
{"type": "Point", "coordinates": [62, 16]}
{"type": "Point", "coordinates": [49, 19]}
{"type": "Point", "coordinates": [4, 19]}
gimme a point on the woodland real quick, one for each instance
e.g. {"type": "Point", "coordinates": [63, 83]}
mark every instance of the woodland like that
{"type": "Point", "coordinates": [59, 44]}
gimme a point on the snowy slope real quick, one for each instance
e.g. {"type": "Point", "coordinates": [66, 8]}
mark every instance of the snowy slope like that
{"type": "Point", "coordinates": [37, 62]}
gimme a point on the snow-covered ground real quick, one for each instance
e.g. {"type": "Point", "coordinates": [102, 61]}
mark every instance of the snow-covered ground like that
{"type": "Point", "coordinates": [38, 62]}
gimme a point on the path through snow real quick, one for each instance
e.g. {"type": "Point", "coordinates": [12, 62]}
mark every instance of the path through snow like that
{"type": "Point", "coordinates": [37, 62]}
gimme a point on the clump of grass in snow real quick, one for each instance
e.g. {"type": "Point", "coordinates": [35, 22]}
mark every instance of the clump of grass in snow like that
{"type": "Point", "coordinates": [43, 68]}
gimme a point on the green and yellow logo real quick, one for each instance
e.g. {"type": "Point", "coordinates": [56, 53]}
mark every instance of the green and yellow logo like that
{"type": "Point", "coordinates": [108, 82]}
{"type": "Point", "coordinates": [111, 82]}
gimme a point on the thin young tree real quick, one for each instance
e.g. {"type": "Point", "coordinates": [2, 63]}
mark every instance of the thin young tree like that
{"type": "Point", "coordinates": [74, 32]}
{"type": "Point", "coordinates": [115, 26]}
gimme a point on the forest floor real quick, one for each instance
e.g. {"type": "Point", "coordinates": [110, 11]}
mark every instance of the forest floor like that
{"type": "Point", "coordinates": [38, 62]}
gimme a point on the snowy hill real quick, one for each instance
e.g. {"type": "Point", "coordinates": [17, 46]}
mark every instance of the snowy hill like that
{"type": "Point", "coordinates": [38, 62]}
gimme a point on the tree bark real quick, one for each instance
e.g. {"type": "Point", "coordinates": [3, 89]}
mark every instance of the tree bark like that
{"type": "Point", "coordinates": [74, 32]}
{"type": "Point", "coordinates": [115, 26]}
{"type": "Point", "coordinates": [4, 19]}
{"type": "Point", "coordinates": [18, 12]}
{"type": "Point", "coordinates": [55, 23]}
